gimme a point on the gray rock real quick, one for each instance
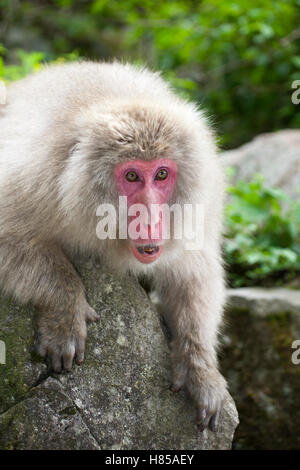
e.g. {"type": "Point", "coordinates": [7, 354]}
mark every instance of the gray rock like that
{"type": "Point", "coordinates": [265, 301]}
{"type": "Point", "coordinates": [119, 398]}
{"type": "Point", "coordinates": [275, 155]}
{"type": "Point", "coordinates": [46, 419]}
{"type": "Point", "coordinates": [257, 361]}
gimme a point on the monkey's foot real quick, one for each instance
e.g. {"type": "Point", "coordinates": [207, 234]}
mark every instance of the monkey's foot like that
{"type": "Point", "coordinates": [62, 336]}
{"type": "Point", "coordinates": [207, 387]}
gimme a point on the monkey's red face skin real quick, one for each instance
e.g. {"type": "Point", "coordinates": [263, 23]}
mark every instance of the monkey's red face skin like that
{"type": "Point", "coordinates": [146, 183]}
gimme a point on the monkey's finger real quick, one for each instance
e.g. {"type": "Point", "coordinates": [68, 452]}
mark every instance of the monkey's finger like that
{"type": "Point", "coordinates": [204, 417]}
{"type": "Point", "coordinates": [49, 364]}
{"type": "Point", "coordinates": [56, 362]}
{"type": "Point", "coordinates": [79, 358]}
{"type": "Point", "coordinates": [213, 424]}
{"type": "Point", "coordinates": [178, 381]}
{"type": "Point", "coordinates": [79, 355]}
{"type": "Point", "coordinates": [68, 357]}
{"type": "Point", "coordinates": [201, 418]}
{"type": "Point", "coordinates": [41, 349]}
{"type": "Point", "coordinates": [91, 315]}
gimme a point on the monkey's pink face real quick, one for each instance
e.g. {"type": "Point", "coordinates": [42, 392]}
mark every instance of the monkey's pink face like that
{"type": "Point", "coordinates": [149, 184]}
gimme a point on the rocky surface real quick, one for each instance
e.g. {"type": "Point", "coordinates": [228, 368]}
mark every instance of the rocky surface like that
{"type": "Point", "coordinates": [257, 361]}
{"type": "Point", "coordinates": [119, 398]}
{"type": "Point", "coordinates": [275, 155]}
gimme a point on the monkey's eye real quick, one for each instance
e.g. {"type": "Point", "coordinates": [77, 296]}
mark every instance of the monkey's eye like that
{"type": "Point", "coordinates": [161, 175]}
{"type": "Point", "coordinates": [132, 176]}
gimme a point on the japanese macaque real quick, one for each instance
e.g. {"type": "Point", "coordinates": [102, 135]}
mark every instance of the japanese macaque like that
{"type": "Point", "coordinates": [75, 136]}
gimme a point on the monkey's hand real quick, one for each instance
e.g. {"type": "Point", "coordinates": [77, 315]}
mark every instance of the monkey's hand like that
{"type": "Point", "coordinates": [62, 335]}
{"type": "Point", "coordinates": [207, 388]}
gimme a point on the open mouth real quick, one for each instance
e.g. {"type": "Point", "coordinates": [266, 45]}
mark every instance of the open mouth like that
{"type": "Point", "coordinates": [149, 250]}
{"type": "Point", "coordinates": [146, 253]}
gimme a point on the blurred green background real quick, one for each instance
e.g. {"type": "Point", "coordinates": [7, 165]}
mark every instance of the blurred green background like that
{"type": "Point", "coordinates": [237, 59]}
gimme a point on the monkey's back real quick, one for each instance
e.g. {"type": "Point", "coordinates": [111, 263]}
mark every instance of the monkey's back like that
{"type": "Point", "coordinates": [53, 97]}
{"type": "Point", "coordinates": [84, 83]}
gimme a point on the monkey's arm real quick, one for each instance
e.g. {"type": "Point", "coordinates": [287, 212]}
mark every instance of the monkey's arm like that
{"type": "Point", "coordinates": [41, 274]}
{"type": "Point", "coordinates": [193, 300]}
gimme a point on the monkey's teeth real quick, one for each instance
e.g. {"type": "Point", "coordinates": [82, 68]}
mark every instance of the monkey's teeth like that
{"type": "Point", "coordinates": [149, 249]}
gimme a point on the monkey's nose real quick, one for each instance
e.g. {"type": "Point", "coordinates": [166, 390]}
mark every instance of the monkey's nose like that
{"type": "Point", "coordinates": [151, 232]}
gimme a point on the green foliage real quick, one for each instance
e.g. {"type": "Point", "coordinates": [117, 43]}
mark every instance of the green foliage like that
{"type": "Point", "coordinates": [28, 62]}
{"type": "Point", "coordinates": [262, 239]}
{"type": "Point", "coordinates": [238, 59]}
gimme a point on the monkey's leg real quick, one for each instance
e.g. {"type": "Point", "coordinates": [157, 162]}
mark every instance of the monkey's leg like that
{"type": "Point", "coordinates": [194, 307]}
{"type": "Point", "coordinates": [43, 275]}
